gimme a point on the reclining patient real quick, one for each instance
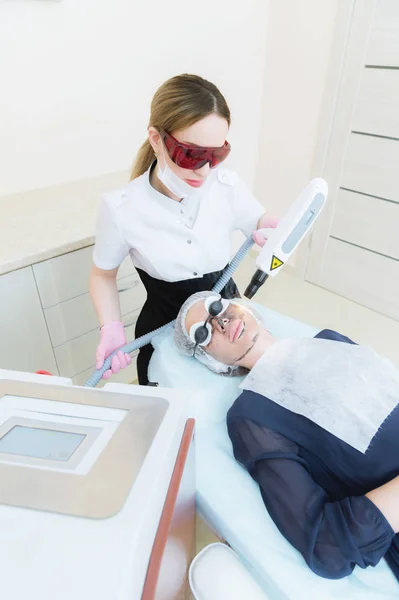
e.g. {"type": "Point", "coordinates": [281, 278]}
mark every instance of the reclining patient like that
{"type": "Point", "coordinates": [316, 425]}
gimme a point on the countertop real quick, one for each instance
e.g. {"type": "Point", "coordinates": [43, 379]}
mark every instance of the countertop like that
{"type": "Point", "coordinates": [44, 223]}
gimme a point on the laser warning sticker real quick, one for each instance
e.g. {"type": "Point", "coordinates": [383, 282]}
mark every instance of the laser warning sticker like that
{"type": "Point", "coordinates": [276, 263]}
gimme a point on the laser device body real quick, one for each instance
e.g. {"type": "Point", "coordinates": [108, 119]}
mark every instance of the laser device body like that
{"type": "Point", "coordinates": [285, 238]}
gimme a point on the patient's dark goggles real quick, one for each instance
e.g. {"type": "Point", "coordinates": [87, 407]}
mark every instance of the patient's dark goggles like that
{"type": "Point", "coordinates": [201, 333]}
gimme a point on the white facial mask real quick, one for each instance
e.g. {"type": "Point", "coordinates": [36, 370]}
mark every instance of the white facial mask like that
{"type": "Point", "coordinates": [347, 390]}
{"type": "Point", "coordinates": [177, 186]}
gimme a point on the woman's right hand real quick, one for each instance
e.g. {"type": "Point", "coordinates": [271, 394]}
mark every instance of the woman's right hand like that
{"type": "Point", "coordinates": [112, 337]}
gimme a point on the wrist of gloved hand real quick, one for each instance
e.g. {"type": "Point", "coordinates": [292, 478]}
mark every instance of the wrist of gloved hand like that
{"type": "Point", "coordinates": [113, 328]}
{"type": "Point", "coordinates": [112, 337]}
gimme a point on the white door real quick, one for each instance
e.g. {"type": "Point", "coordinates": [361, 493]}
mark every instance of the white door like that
{"type": "Point", "coordinates": [355, 248]}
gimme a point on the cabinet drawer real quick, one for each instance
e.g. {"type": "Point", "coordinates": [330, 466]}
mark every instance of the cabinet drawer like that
{"type": "Point", "coordinates": [128, 375]}
{"type": "Point", "coordinates": [78, 355]}
{"type": "Point", "coordinates": [63, 277]}
{"type": "Point", "coordinates": [75, 317]}
{"type": "Point", "coordinates": [126, 268]}
{"type": "Point", "coordinates": [67, 276]}
{"type": "Point", "coordinates": [132, 294]}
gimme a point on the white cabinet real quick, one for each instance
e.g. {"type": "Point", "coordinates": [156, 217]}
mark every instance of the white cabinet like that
{"type": "Point", "coordinates": [63, 285]}
{"type": "Point", "coordinates": [63, 277]}
{"type": "Point", "coordinates": [75, 317]}
{"type": "Point", "coordinates": [76, 358]}
{"type": "Point", "coordinates": [25, 343]}
{"type": "Point", "coordinates": [48, 321]}
{"type": "Point", "coordinates": [67, 276]}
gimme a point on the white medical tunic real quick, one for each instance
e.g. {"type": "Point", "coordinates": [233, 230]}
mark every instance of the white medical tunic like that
{"type": "Point", "coordinates": [170, 240]}
{"type": "Point", "coordinates": [178, 248]}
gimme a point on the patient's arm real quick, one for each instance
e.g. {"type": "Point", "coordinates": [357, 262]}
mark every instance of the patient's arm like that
{"type": "Point", "coordinates": [386, 498]}
{"type": "Point", "coordinates": [333, 537]}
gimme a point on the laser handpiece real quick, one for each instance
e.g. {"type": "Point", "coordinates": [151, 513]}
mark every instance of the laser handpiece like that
{"type": "Point", "coordinates": [285, 238]}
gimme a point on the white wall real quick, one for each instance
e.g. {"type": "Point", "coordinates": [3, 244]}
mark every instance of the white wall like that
{"type": "Point", "coordinates": [77, 78]}
{"type": "Point", "coordinates": [299, 42]}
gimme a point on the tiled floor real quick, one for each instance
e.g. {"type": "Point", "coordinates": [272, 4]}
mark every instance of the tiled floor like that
{"type": "Point", "coordinates": [204, 535]}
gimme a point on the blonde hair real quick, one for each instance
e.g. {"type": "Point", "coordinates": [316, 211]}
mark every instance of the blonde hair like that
{"type": "Point", "coordinates": [179, 103]}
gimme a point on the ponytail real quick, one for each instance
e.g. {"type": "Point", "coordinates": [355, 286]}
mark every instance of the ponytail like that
{"type": "Point", "coordinates": [144, 159]}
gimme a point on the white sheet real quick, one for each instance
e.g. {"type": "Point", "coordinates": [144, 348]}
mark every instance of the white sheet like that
{"type": "Point", "coordinates": [230, 500]}
{"type": "Point", "coordinates": [348, 390]}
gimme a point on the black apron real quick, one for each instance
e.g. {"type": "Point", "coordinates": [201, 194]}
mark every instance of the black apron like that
{"type": "Point", "coordinates": [164, 300]}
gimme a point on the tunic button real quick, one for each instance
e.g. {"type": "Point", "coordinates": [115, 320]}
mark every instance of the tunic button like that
{"type": "Point", "coordinates": [195, 274]}
{"type": "Point", "coordinates": [188, 241]}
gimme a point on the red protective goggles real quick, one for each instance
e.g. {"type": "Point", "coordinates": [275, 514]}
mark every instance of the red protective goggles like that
{"type": "Point", "coordinates": [192, 157]}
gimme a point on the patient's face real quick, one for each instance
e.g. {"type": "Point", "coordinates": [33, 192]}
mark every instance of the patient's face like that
{"type": "Point", "coordinates": [234, 332]}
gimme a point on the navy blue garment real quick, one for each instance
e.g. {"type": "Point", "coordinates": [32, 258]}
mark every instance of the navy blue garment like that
{"type": "Point", "coordinates": [313, 483]}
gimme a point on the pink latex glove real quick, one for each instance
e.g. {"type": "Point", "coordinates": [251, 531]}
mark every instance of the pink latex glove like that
{"type": "Point", "coordinates": [112, 336]}
{"type": "Point", "coordinates": [266, 223]}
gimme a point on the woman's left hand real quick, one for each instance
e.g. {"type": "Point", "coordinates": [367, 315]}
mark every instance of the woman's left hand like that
{"type": "Point", "coordinates": [266, 223]}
